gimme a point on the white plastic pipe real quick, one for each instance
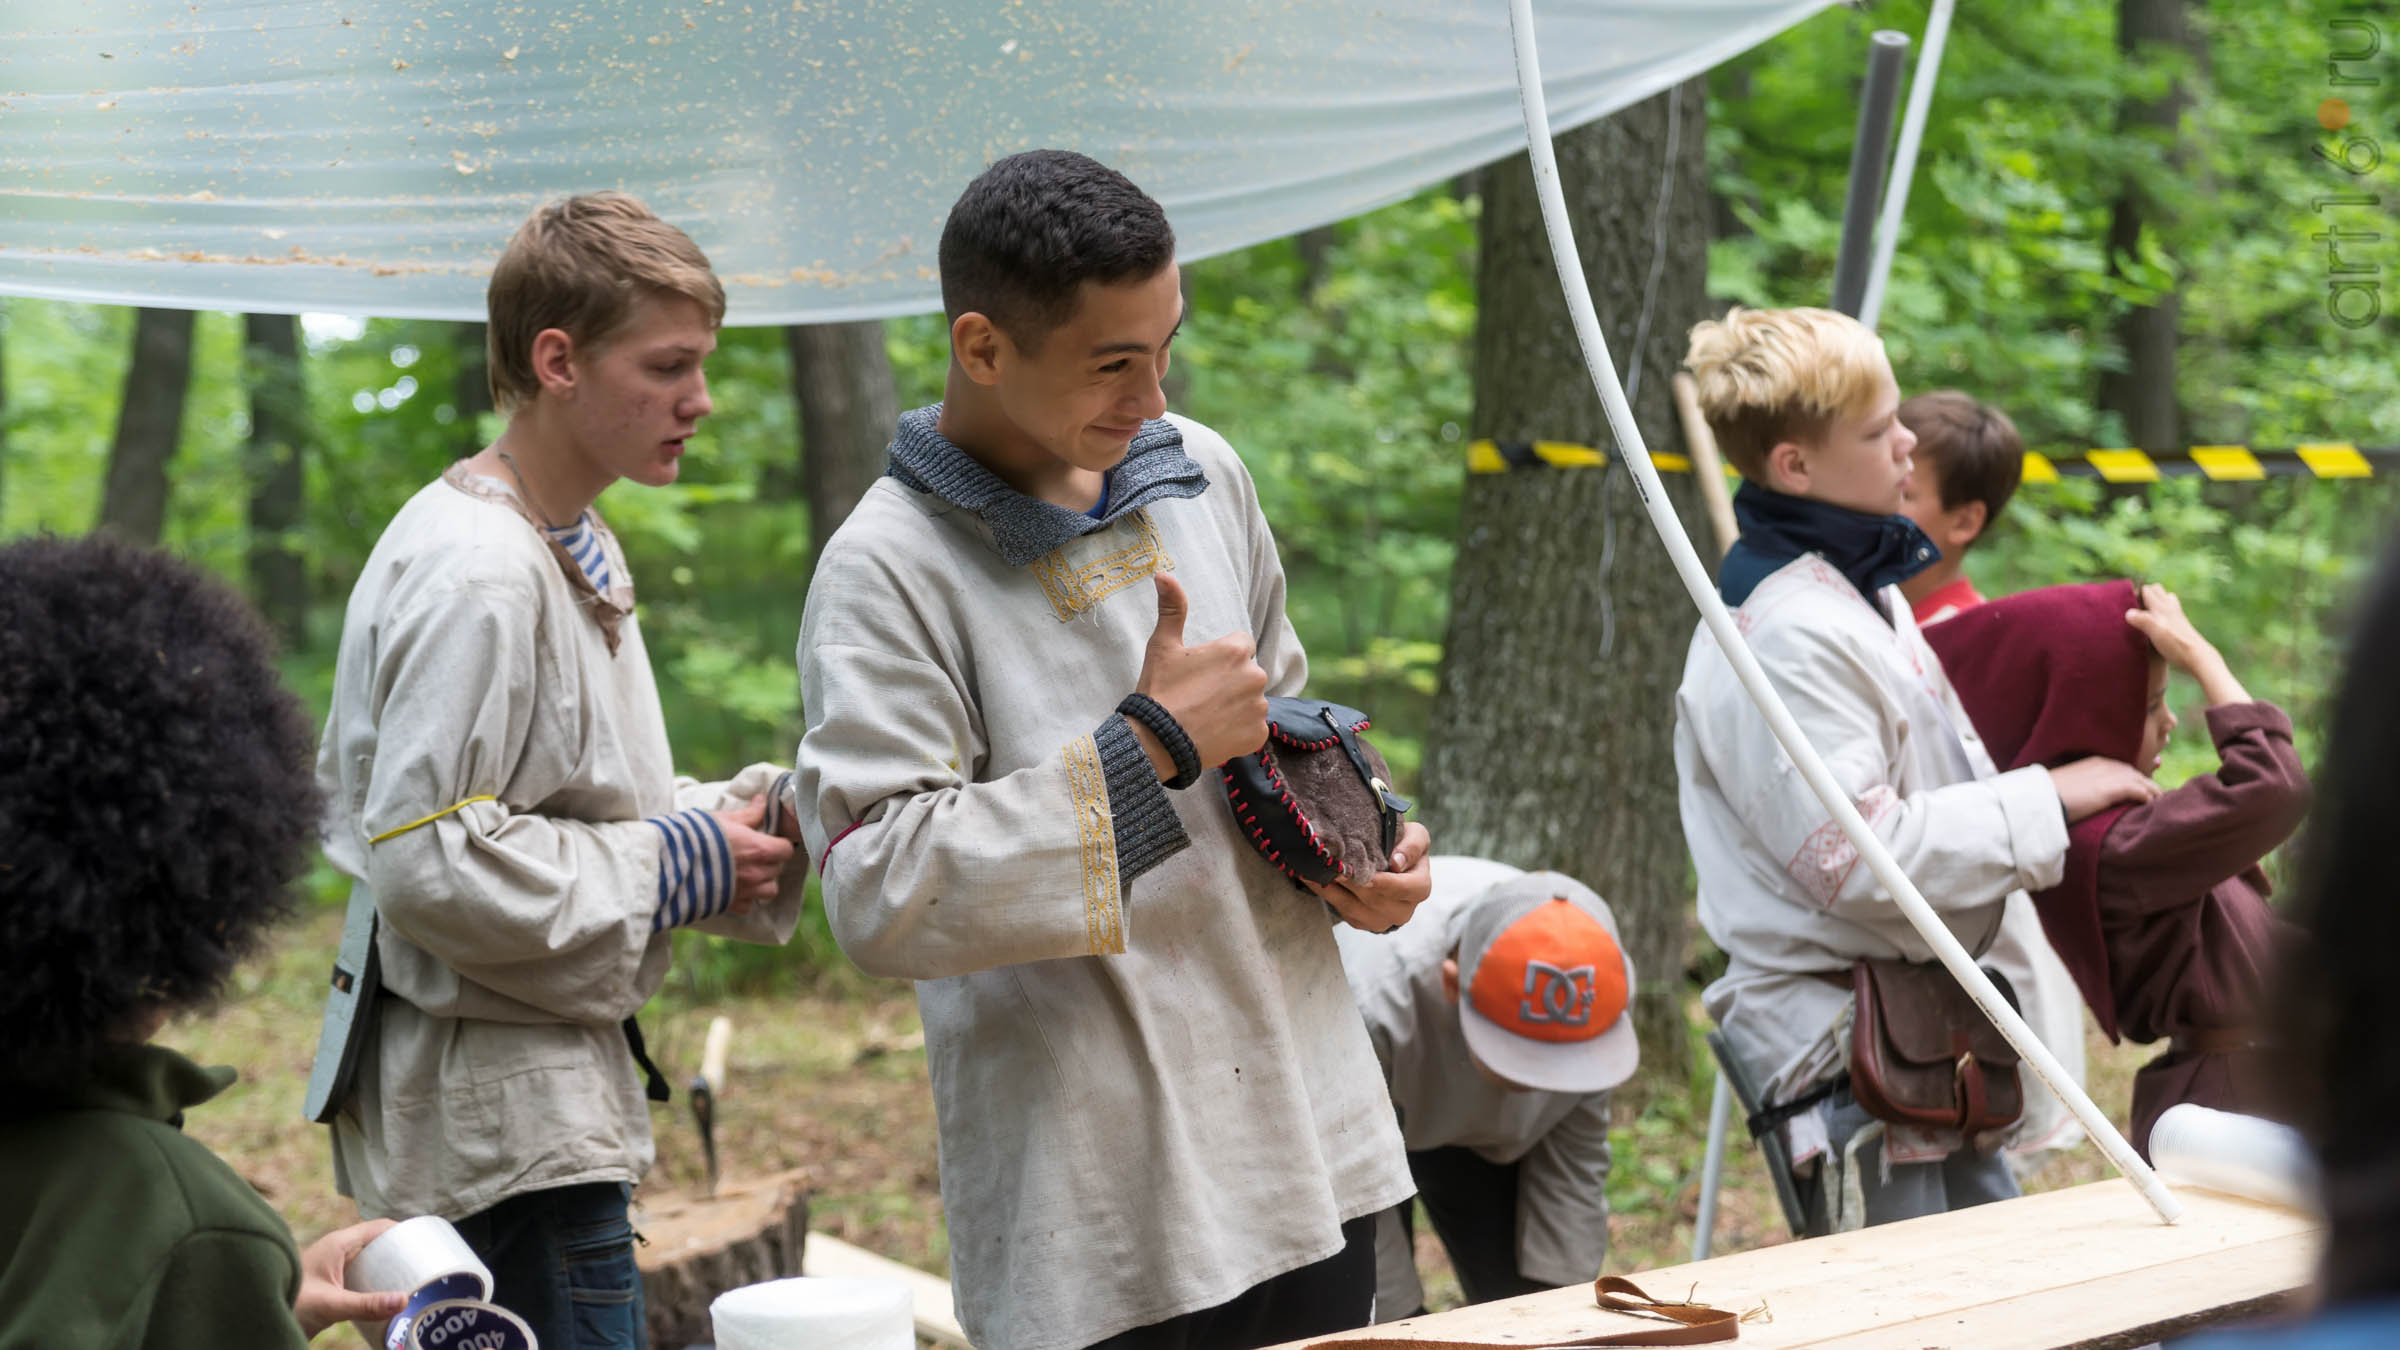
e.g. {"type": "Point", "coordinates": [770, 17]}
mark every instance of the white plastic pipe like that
{"type": "Point", "coordinates": [1804, 757]}
{"type": "Point", "coordinates": [1904, 159]}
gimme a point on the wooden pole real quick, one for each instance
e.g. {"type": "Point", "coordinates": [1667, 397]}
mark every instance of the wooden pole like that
{"type": "Point", "coordinates": [1707, 465]}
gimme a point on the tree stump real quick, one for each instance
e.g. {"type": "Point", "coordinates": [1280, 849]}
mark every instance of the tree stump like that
{"type": "Point", "coordinates": [699, 1247]}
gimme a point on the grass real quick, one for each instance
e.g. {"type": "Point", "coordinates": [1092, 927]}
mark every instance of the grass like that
{"type": "Point", "coordinates": [828, 1073]}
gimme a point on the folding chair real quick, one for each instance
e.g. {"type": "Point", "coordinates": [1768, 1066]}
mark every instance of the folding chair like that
{"type": "Point", "coordinates": [1734, 1086]}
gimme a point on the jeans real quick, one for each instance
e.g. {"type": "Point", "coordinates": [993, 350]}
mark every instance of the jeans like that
{"type": "Point", "coordinates": [562, 1259]}
{"type": "Point", "coordinates": [1472, 1202]}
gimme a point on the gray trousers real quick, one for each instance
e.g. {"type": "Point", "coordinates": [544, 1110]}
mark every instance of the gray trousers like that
{"type": "Point", "coordinates": [1911, 1190]}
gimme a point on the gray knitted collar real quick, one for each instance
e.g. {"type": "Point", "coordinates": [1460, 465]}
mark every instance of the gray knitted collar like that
{"type": "Point", "coordinates": [1026, 528]}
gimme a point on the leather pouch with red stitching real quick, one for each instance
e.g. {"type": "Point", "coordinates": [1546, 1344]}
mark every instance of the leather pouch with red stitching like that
{"type": "Point", "coordinates": [1316, 800]}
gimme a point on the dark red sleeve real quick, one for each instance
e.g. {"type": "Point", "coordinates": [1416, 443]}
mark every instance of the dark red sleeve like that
{"type": "Point", "coordinates": [2219, 825]}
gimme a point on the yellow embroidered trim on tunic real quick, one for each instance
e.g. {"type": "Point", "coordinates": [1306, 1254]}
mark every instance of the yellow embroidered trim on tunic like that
{"type": "Point", "coordinates": [1103, 905]}
{"type": "Point", "coordinates": [1074, 590]}
{"type": "Point", "coordinates": [373, 840]}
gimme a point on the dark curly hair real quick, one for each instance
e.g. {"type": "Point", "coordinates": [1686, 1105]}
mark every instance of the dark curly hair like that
{"type": "Point", "coordinates": [156, 794]}
{"type": "Point", "coordinates": [1030, 230]}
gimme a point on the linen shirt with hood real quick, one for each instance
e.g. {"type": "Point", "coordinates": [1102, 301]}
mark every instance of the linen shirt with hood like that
{"type": "Point", "coordinates": [518, 933]}
{"type": "Point", "coordinates": [1781, 888]}
{"type": "Point", "coordinates": [1152, 1089]}
{"type": "Point", "coordinates": [2162, 913]}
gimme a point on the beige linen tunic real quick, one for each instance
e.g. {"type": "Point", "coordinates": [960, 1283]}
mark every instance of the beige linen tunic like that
{"type": "Point", "coordinates": [1148, 1101]}
{"type": "Point", "coordinates": [516, 933]}
{"type": "Point", "coordinates": [1782, 889]}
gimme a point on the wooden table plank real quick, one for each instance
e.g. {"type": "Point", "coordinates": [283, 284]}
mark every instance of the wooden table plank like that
{"type": "Point", "coordinates": [2085, 1266]}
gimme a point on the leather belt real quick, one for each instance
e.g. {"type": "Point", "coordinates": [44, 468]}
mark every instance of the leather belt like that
{"type": "Point", "coordinates": [2216, 1041]}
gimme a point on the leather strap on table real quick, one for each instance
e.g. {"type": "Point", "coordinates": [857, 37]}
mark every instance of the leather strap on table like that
{"type": "Point", "coordinates": [1685, 1324]}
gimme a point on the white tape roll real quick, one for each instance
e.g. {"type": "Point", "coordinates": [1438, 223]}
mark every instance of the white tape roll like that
{"type": "Point", "coordinates": [414, 1253]}
{"type": "Point", "coordinates": [2237, 1154]}
{"type": "Point", "coordinates": [818, 1313]}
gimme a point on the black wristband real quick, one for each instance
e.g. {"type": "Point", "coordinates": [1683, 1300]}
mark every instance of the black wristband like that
{"type": "Point", "coordinates": [1150, 713]}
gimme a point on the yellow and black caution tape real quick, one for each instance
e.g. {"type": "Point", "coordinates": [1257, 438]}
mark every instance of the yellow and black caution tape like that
{"type": "Point", "coordinates": [2221, 463]}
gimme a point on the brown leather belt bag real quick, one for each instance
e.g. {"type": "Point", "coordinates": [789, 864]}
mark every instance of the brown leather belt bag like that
{"type": "Point", "coordinates": [1922, 1053]}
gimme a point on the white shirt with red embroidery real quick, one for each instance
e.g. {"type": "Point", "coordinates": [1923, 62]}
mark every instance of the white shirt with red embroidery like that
{"type": "Point", "coordinates": [1782, 889]}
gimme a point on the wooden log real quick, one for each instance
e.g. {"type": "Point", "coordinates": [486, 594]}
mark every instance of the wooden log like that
{"type": "Point", "coordinates": [701, 1246]}
{"type": "Point", "coordinates": [929, 1295]}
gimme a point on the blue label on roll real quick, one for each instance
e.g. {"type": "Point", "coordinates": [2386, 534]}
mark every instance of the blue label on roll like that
{"type": "Point", "coordinates": [464, 1324]}
{"type": "Point", "coordinates": [461, 1286]}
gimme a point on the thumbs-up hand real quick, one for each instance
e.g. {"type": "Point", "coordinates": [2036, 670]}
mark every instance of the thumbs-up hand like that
{"type": "Point", "coordinates": [1215, 691]}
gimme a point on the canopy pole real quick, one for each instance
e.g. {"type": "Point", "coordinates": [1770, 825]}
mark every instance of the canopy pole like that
{"type": "Point", "coordinates": [1870, 151]}
{"type": "Point", "coordinates": [1820, 779]}
{"type": "Point", "coordinates": [1904, 166]}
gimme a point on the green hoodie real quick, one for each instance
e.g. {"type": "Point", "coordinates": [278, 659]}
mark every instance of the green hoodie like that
{"type": "Point", "coordinates": [118, 1231]}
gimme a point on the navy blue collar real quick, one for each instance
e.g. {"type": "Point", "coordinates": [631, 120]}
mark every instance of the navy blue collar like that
{"type": "Point", "coordinates": [1872, 551]}
{"type": "Point", "coordinates": [1024, 528]}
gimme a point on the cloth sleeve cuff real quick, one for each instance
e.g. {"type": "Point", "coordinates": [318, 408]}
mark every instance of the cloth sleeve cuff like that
{"type": "Point", "coordinates": [695, 869]}
{"type": "Point", "coordinates": [1148, 832]}
{"type": "Point", "coordinates": [2037, 825]}
{"type": "Point", "coordinates": [2229, 720]}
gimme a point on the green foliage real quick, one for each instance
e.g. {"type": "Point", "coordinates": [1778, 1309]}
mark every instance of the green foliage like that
{"type": "Point", "coordinates": [2262, 569]}
{"type": "Point", "coordinates": [2002, 285]}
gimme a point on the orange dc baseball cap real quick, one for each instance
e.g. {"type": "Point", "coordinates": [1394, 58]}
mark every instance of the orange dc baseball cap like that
{"type": "Point", "coordinates": [1544, 986]}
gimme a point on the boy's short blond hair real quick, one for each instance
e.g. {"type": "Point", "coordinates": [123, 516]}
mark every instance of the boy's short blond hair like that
{"type": "Point", "coordinates": [579, 266]}
{"type": "Point", "coordinates": [1773, 375]}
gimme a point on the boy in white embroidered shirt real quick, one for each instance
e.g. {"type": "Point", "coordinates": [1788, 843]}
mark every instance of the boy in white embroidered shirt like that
{"type": "Point", "coordinates": [1804, 405]}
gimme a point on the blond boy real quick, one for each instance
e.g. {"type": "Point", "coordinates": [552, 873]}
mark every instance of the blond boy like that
{"type": "Point", "coordinates": [1804, 405]}
{"type": "Point", "coordinates": [504, 801]}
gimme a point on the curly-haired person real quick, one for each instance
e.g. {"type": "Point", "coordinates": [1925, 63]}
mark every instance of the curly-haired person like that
{"type": "Point", "coordinates": [156, 800]}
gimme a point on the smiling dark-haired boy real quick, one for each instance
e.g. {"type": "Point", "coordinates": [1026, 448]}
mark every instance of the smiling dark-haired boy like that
{"type": "Point", "coordinates": [1161, 1120]}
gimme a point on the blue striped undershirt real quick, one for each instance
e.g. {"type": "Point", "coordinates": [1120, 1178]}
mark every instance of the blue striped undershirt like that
{"type": "Point", "coordinates": [582, 543]}
{"type": "Point", "coordinates": [695, 869]}
{"type": "Point", "coordinates": [695, 866]}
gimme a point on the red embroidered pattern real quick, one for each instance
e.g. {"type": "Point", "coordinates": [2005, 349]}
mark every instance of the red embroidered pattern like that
{"type": "Point", "coordinates": [1827, 857]}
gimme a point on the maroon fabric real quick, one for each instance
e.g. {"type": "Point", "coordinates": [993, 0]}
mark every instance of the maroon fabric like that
{"type": "Point", "coordinates": [2185, 965]}
{"type": "Point", "coordinates": [2162, 914]}
{"type": "Point", "coordinates": [2049, 676]}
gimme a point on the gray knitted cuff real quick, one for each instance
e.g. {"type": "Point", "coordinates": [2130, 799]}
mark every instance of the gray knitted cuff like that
{"type": "Point", "coordinates": [1148, 831]}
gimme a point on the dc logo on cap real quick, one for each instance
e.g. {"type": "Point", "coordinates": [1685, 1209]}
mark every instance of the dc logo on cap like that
{"type": "Point", "coordinates": [1559, 996]}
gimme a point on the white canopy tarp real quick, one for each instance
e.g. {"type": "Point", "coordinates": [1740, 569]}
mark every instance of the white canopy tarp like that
{"type": "Point", "coordinates": [371, 156]}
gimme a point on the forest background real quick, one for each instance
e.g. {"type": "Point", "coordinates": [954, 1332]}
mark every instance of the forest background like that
{"type": "Point", "coordinates": [2132, 225]}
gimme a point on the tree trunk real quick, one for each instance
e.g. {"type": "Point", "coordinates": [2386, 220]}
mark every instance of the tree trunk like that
{"type": "Point", "coordinates": [472, 394]}
{"type": "Point", "coordinates": [1551, 743]}
{"type": "Point", "coordinates": [842, 377]}
{"type": "Point", "coordinates": [697, 1248]}
{"type": "Point", "coordinates": [274, 461]}
{"type": "Point", "coordinates": [2143, 393]}
{"type": "Point", "coordinates": [149, 421]}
